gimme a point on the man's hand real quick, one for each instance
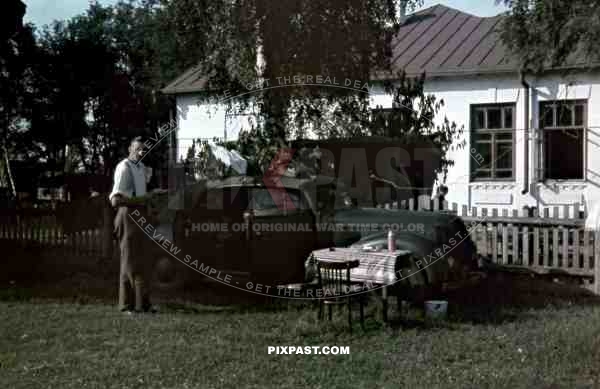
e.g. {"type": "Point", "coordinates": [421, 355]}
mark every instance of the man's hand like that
{"type": "Point", "coordinates": [122, 201]}
{"type": "Point", "coordinates": [137, 201]}
{"type": "Point", "coordinates": [115, 201]}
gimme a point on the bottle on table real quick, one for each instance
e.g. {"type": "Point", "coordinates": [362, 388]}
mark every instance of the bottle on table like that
{"type": "Point", "coordinates": [391, 241]}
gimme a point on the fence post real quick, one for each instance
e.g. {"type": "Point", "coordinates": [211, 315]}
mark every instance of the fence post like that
{"type": "Point", "coordinates": [596, 262]}
{"type": "Point", "coordinates": [424, 203]}
{"type": "Point", "coordinates": [484, 240]}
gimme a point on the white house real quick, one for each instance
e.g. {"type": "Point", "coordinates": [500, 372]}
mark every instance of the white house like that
{"type": "Point", "coordinates": [531, 141]}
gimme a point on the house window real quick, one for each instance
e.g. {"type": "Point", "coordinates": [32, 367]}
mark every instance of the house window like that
{"type": "Point", "coordinates": [561, 142]}
{"type": "Point", "coordinates": [492, 142]}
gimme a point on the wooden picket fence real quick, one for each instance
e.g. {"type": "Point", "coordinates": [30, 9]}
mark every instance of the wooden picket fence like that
{"type": "Point", "coordinates": [553, 241]}
{"type": "Point", "coordinates": [44, 230]}
{"type": "Point", "coordinates": [80, 243]}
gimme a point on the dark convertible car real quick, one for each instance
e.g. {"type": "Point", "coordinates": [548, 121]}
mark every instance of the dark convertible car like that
{"type": "Point", "coordinates": [236, 226]}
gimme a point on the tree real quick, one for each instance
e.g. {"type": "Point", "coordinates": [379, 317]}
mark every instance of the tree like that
{"type": "Point", "coordinates": [341, 40]}
{"type": "Point", "coordinates": [16, 47]}
{"type": "Point", "coordinates": [413, 121]}
{"type": "Point", "coordinates": [546, 33]}
{"type": "Point", "coordinates": [335, 40]}
{"type": "Point", "coordinates": [140, 45]}
{"type": "Point", "coordinates": [99, 85]}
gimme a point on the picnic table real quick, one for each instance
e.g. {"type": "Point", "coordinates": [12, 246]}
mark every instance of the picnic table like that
{"type": "Point", "coordinates": [375, 268]}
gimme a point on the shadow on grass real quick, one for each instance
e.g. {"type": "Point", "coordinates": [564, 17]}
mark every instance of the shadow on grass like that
{"type": "Point", "coordinates": [509, 297]}
{"type": "Point", "coordinates": [502, 297]}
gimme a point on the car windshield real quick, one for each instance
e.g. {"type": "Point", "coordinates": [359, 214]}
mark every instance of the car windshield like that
{"type": "Point", "coordinates": [252, 198]}
{"type": "Point", "coordinates": [263, 199]}
{"type": "Point", "coordinates": [231, 198]}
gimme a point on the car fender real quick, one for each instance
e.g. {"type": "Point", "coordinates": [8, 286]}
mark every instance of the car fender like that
{"type": "Point", "coordinates": [426, 267]}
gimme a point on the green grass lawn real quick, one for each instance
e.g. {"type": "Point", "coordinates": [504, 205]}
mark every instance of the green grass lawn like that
{"type": "Point", "coordinates": [61, 343]}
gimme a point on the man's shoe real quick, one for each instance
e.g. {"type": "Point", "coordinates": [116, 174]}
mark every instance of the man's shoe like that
{"type": "Point", "coordinates": [150, 309]}
{"type": "Point", "coordinates": [146, 309]}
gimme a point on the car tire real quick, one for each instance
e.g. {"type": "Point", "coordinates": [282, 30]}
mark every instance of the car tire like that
{"type": "Point", "coordinates": [167, 273]}
{"type": "Point", "coordinates": [430, 285]}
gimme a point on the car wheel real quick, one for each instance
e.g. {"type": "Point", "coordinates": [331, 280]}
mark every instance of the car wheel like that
{"type": "Point", "coordinates": [430, 282]}
{"type": "Point", "coordinates": [167, 273]}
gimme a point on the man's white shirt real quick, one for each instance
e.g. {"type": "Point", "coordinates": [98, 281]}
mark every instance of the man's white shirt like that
{"type": "Point", "coordinates": [125, 171]}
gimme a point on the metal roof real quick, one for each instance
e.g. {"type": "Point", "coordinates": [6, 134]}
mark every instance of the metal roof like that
{"type": "Point", "coordinates": [191, 81]}
{"type": "Point", "coordinates": [442, 41]}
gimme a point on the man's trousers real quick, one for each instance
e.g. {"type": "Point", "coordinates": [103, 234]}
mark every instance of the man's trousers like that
{"type": "Point", "coordinates": [136, 259]}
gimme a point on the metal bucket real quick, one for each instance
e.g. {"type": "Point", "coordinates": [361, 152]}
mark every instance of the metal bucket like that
{"type": "Point", "coordinates": [436, 310]}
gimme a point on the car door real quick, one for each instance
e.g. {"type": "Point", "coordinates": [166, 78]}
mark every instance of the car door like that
{"type": "Point", "coordinates": [216, 234]}
{"type": "Point", "coordinates": [282, 236]}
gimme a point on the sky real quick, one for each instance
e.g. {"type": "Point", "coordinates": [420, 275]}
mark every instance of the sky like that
{"type": "Point", "coordinates": [41, 12]}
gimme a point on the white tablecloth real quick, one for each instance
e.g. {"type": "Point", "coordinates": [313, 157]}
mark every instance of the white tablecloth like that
{"type": "Point", "coordinates": [377, 267]}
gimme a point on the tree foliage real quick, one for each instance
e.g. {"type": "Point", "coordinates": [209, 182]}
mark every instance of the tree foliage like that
{"type": "Point", "coordinates": [96, 77]}
{"type": "Point", "coordinates": [17, 46]}
{"type": "Point", "coordinates": [334, 40]}
{"type": "Point", "coordinates": [414, 120]}
{"type": "Point", "coordinates": [99, 84]}
{"type": "Point", "coordinates": [337, 41]}
{"type": "Point", "coordinates": [549, 33]}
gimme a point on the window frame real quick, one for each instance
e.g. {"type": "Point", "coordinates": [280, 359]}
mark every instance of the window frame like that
{"type": "Point", "coordinates": [541, 161]}
{"type": "Point", "coordinates": [493, 142]}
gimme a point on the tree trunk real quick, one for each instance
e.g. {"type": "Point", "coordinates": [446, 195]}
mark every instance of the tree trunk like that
{"type": "Point", "coordinates": [9, 171]}
{"type": "Point", "coordinates": [89, 167]}
{"type": "Point", "coordinates": [67, 169]}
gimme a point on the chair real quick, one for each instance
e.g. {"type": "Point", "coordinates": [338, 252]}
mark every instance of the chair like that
{"type": "Point", "coordinates": [335, 284]}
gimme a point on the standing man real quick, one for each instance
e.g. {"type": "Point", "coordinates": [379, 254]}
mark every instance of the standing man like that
{"type": "Point", "coordinates": [127, 196]}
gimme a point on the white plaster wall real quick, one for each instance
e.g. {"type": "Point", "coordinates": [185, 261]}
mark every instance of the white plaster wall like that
{"type": "Point", "coordinates": [210, 120]}
{"type": "Point", "coordinates": [206, 121]}
{"type": "Point", "coordinates": [377, 97]}
{"type": "Point", "coordinates": [197, 121]}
